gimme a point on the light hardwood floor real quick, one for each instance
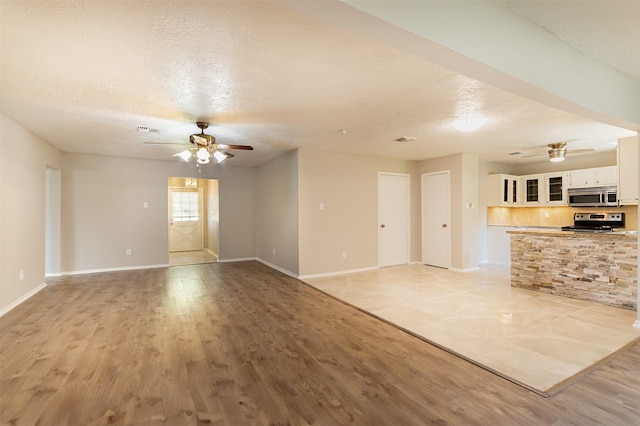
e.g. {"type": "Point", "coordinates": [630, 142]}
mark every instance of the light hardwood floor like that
{"type": "Point", "coordinates": [242, 344]}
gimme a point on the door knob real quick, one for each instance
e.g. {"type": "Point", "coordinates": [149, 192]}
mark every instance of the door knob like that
{"type": "Point", "coordinates": [444, 225]}
{"type": "Point", "coordinates": [382, 226]}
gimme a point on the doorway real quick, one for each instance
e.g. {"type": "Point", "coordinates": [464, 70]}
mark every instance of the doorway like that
{"type": "Point", "coordinates": [193, 220]}
{"type": "Point", "coordinates": [394, 204]}
{"type": "Point", "coordinates": [436, 219]}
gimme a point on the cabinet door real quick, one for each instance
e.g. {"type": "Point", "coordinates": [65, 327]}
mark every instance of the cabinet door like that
{"type": "Point", "coordinates": [579, 178]}
{"type": "Point", "coordinates": [606, 176]}
{"type": "Point", "coordinates": [556, 189]}
{"type": "Point", "coordinates": [533, 188]}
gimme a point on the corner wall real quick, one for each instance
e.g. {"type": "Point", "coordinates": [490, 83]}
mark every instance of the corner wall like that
{"type": "Point", "coordinates": [276, 215]}
{"type": "Point", "coordinates": [23, 162]}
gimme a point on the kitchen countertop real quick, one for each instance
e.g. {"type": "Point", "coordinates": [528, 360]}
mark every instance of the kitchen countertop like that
{"type": "Point", "coordinates": [557, 231]}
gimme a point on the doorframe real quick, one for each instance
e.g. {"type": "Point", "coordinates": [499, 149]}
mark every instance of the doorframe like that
{"type": "Point", "coordinates": [422, 211]}
{"type": "Point", "coordinates": [408, 210]}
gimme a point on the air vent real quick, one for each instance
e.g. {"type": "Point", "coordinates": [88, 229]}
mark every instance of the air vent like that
{"type": "Point", "coordinates": [516, 153]}
{"type": "Point", "coordinates": [145, 129]}
{"type": "Point", "coordinates": [405, 139]}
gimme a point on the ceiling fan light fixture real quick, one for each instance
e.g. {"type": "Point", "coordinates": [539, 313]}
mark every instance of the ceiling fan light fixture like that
{"type": "Point", "coordinates": [185, 155]}
{"type": "Point", "coordinates": [220, 156]}
{"type": "Point", "coordinates": [203, 154]}
{"type": "Point", "coordinates": [557, 154]}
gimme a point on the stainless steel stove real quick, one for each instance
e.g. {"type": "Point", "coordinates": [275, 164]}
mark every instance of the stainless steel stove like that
{"type": "Point", "coordinates": [596, 222]}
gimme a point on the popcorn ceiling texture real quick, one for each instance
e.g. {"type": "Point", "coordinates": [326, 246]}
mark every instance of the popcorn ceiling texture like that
{"type": "Point", "coordinates": [599, 268]}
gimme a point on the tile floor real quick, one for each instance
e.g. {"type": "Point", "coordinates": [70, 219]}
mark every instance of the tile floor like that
{"type": "Point", "coordinates": [180, 258]}
{"type": "Point", "coordinates": [540, 341]}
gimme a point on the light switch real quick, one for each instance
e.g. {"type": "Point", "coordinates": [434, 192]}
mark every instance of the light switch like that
{"type": "Point", "coordinates": [145, 204]}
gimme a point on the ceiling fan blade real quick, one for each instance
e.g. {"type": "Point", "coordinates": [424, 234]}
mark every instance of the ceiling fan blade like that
{"type": "Point", "coordinates": [166, 143]}
{"type": "Point", "coordinates": [243, 147]}
{"type": "Point", "coordinates": [580, 151]}
{"type": "Point", "coordinates": [534, 155]}
{"type": "Point", "coordinates": [228, 154]}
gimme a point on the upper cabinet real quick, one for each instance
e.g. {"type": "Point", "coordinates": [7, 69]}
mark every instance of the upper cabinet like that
{"type": "Point", "coordinates": [628, 170]}
{"type": "Point", "coordinates": [533, 187]}
{"type": "Point", "coordinates": [600, 176]}
{"type": "Point", "coordinates": [503, 190]}
{"type": "Point", "coordinates": [555, 188]}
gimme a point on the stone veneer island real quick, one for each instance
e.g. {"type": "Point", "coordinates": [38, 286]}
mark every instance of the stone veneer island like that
{"type": "Point", "coordinates": [598, 267]}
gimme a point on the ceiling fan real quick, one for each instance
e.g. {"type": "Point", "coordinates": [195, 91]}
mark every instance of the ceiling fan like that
{"type": "Point", "coordinates": [558, 151]}
{"type": "Point", "coordinates": [205, 147]}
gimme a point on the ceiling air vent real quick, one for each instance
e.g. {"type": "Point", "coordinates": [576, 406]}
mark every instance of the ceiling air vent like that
{"type": "Point", "coordinates": [405, 139]}
{"type": "Point", "coordinates": [145, 129]}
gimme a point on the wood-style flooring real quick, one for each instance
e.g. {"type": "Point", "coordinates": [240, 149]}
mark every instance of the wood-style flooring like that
{"type": "Point", "coordinates": [242, 344]}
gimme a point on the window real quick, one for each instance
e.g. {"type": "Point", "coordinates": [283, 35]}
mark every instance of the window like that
{"type": "Point", "coordinates": [185, 206]}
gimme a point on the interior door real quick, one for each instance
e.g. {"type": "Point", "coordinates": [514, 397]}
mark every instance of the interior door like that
{"type": "Point", "coordinates": [393, 218]}
{"type": "Point", "coordinates": [185, 219]}
{"type": "Point", "coordinates": [436, 229]}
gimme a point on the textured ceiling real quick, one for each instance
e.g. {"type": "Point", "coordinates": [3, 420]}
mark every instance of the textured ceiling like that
{"type": "Point", "coordinates": [83, 75]}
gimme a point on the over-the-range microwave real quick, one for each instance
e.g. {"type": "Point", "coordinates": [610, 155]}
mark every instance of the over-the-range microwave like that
{"type": "Point", "coordinates": [599, 196]}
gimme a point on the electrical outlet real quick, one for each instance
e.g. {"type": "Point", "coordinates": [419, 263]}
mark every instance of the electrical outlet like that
{"type": "Point", "coordinates": [21, 274]}
{"type": "Point", "coordinates": [145, 204]}
{"type": "Point", "coordinates": [128, 252]}
{"type": "Point", "coordinates": [344, 254]}
{"type": "Point", "coordinates": [274, 251]}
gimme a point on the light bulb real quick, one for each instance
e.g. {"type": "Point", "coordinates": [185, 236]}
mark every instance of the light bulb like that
{"type": "Point", "coordinates": [203, 154]}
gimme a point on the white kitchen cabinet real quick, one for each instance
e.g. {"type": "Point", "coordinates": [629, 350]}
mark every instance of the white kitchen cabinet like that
{"type": "Point", "coordinates": [628, 171]}
{"type": "Point", "coordinates": [533, 188]}
{"type": "Point", "coordinates": [555, 189]}
{"type": "Point", "coordinates": [599, 176]}
{"type": "Point", "coordinates": [503, 190]}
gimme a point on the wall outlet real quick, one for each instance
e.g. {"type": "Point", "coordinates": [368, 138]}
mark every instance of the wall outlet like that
{"type": "Point", "coordinates": [546, 214]}
{"type": "Point", "coordinates": [128, 252]}
{"type": "Point", "coordinates": [21, 274]}
{"type": "Point", "coordinates": [274, 251]}
{"type": "Point", "coordinates": [321, 206]}
{"type": "Point", "coordinates": [344, 254]}
{"type": "Point", "coordinates": [145, 204]}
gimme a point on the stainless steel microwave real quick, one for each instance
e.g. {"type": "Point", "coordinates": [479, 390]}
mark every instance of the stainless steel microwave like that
{"type": "Point", "coordinates": [600, 196]}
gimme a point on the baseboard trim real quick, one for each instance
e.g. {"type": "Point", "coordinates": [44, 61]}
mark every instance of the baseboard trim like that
{"type": "Point", "coordinates": [333, 274]}
{"type": "Point", "coordinates": [237, 259]}
{"type": "Point", "coordinates": [123, 268]}
{"type": "Point", "coordinates": [464, 269]}
{"type": "Point", "coordinates": [277, 268]}
{"type": "Point", "coordinates": [22, 299]}
{"type": "Point", "coordinates": [637, 323]}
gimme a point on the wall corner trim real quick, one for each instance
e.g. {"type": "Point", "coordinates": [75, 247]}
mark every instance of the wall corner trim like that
{"type": "Point", "coordinates": [476, 268]}
{"type": "Point", "coordinates": [332, 274]}
{"type": "Point", "coordinates": [22, 299]}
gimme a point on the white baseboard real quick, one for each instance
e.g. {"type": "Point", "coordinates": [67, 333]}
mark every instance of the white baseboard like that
{"type": "Point", "coordinates": [122, 268]}
{"type": "Point", "coordinates": [465, 269]}
{"type": "Point", "coordinates": [637, 323]}
{"type": "Point", "coordinates": [22, 299]}
{"type": "Point", "coordinates": [238, 259]}
{"type": "Point", "coordinates": [277, 268]}
{"type": "Point", "coordinates": [332, 274]}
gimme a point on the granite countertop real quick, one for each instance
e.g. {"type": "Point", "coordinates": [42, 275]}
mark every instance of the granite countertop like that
{"type": "Point", "coordinates": [557, 231]}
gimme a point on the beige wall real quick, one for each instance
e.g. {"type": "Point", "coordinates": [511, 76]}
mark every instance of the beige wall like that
{"type": "Point", "coordinates": [277, 212]}
{"type": "Point", "coordinates": [103, 214]}
{"type": "Point", "coordinates": [347, 185]}
{"type": "Point", "coordinates": [23, 162]}
{"type": "Point", "coordinates": [213, 216]}
{"type": "Point", "coordinates": [464, 169]}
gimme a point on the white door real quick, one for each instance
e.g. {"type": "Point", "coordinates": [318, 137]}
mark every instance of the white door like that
{"type": "Point", "coordinates": [185, 219]}
{"type": "Point", "coordinates": [436, 229]}
{"type": "Point", "coordinates": [393, 218]}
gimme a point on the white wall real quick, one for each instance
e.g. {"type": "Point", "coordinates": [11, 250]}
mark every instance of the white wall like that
{"type": "Point", "coordinates": [103, 213]}
{"type": "Point", "coordinates": [277, 212]}
{"type": "Point", "coordinates": [23, 162]}
{"type": "Point", "coordinates": [347, 185]}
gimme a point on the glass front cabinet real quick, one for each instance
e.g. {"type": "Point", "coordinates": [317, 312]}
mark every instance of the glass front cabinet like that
{"type": "Point", "coordinates": [534, 190]}
{"type": "Point", "coordinates": [503, 190]}
{"type": "Point", "coordinates": [556, 189]}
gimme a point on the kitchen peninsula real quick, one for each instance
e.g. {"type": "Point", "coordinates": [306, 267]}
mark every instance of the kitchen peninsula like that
{"type": "Point", "coordinates": [598, 267]}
